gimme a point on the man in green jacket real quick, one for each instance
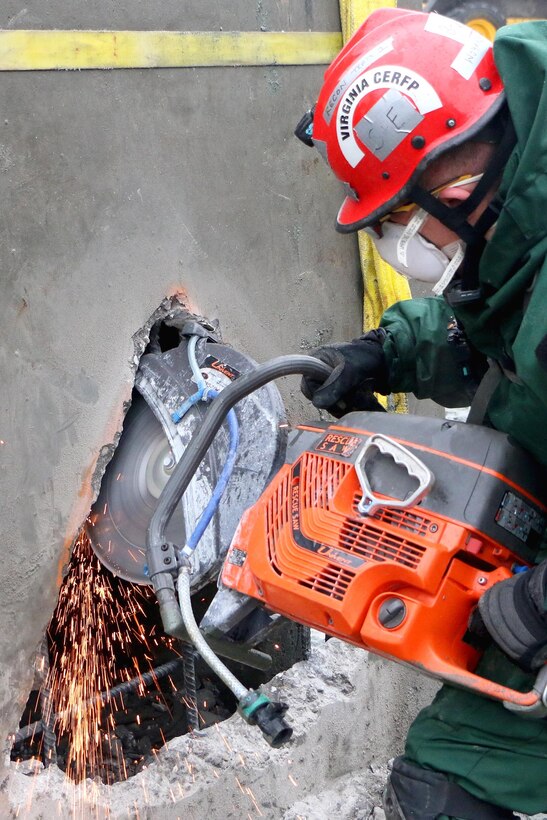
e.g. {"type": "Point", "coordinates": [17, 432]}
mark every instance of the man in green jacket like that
{"type": "Point", "coordinates": [441, 143]}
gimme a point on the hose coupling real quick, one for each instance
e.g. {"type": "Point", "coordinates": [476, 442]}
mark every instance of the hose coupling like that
{"type": "Point", "coordinates": [258, 710]}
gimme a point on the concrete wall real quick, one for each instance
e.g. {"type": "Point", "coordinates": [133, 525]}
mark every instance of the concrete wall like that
{"type": "Point", "coordinates": [117, 189]}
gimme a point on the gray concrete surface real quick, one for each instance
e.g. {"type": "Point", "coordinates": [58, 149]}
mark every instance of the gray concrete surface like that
{"type": "Point", "coordinates": [117, 189]}
{"type": "Point", "coordinates": [120, 189]}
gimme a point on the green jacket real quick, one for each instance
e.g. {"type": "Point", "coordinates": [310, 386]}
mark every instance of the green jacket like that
{"type": "Point", "coordinates": [494, 754]}
{"type": "Point", "coordinates": [512, 320]}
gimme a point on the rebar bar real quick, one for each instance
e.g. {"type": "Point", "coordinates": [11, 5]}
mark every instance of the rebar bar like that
{"type": "Point", "coordinates": [127, 686]}
{"type": "Point", "coordinates": [49, 739]}
{"type": "Point", "coordinates": [190, 689]}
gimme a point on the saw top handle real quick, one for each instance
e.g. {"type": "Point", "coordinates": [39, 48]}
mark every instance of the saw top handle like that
{"type": "Point", "coordinates": [390, 447]}
{"type": "Point", "coordinates": [194, 453]}
{"type": "Point", "coordinates": [160, 555]}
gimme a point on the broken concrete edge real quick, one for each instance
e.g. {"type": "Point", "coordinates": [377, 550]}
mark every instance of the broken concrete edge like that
{"type": "Point", "coordinates": [170, 307]}
{"type": "Point", "coordinates": [349, 711]}
{"type": "Point", "coordinates": [173, 306]}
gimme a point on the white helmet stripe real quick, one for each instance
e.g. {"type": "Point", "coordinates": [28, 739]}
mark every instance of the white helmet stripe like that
{"type": "Point", "coordinates": [422, 94]}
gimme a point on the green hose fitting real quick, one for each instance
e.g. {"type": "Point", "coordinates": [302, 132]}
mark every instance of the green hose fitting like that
{"type": "Point", "coordinates": [258, 710]}
{"type": "Point", "coordinates": [248, 705]}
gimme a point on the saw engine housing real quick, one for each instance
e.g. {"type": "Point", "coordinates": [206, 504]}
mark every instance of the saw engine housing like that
{"type": "Point", "coordinates": [343, 540]}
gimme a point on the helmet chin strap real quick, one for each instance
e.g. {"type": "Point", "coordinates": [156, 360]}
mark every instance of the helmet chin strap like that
{"type": "Point", "coordinates": [456, 218]}
{"type": "Point", "coordinates": [465, 287]}
{"type": "Point", "coordinates": [414, 225]}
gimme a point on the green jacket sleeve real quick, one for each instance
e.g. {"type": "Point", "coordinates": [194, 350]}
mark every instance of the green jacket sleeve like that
{"type": "Point", "coordinates": [419, 357]}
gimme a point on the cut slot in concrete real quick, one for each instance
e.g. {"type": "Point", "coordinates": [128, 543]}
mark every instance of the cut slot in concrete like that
{"type": "Point", "coordinates": [349, 712]}
{"type": "Point", "coordinates": [107, 632]}
{"type": "Point", "coordinates": [78, 618]}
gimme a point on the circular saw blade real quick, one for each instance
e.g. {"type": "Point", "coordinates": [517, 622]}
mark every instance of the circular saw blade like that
{"type": "Point", "coordinates": [133, 481]}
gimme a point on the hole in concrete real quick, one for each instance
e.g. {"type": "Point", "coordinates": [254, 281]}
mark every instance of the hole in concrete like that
{"type": "Point", "coordinates": [104, 632]}
{"type": "Point", "coordinates": [107, 632]}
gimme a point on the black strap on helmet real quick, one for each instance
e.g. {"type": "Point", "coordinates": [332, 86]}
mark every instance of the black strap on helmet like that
{"type": "Point", "coordinates": [304, 129]}
{"type": "Point", "coordinates": [456, 218]}
{"type": "Point", "coordinates": [465, 287]}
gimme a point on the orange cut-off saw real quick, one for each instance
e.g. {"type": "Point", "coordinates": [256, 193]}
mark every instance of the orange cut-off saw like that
{"type": "Point", "coordinates": [382, 530]}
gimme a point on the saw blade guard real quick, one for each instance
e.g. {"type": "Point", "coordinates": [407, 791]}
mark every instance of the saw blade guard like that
{"type": "Point", "coordinates": [151, 444]}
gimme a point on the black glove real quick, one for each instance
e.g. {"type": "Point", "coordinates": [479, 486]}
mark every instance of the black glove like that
{"type": "Point", "coordinates": [515, 614]}
{"type": "Point", "coordinates": [359, 369]}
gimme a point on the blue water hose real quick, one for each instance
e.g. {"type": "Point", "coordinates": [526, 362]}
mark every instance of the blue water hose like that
{"type": "Point", "coordinates": [204, 393]}
{"type": "Point", "coordinates": [218, 492]}
{"type": "Point", "coordinates": [196, 372]}
{"type": "Point", "coordinates": [200, 381]}
{"type": "Point", "coordinates": [183, 409]}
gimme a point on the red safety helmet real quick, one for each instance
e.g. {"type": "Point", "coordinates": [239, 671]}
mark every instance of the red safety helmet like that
{"type": "Point", "coordinates": [405, 88]}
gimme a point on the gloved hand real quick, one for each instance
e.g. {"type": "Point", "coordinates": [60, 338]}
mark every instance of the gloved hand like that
{"type": "Point", "coordinates": [359, 370]}
{"type": "Point", "coordinates": [515, 614]}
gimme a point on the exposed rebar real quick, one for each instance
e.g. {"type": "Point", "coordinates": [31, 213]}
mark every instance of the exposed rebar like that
{"type": "Point", "coordinates": [121, 688]}
{"type": "Point", "coordinates": [190, 688]}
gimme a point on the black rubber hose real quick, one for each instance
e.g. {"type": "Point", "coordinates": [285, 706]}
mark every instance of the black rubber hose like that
{"type": "Point", "coordinates": [196, 450]}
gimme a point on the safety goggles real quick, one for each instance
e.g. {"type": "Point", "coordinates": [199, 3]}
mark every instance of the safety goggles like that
{"type": "Point", "coordinates": [465, 179]}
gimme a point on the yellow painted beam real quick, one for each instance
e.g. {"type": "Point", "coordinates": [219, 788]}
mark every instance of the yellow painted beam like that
{"type": "Point", "coordinates": [513, 20]}
{"type": "Point", "coordinates": [27, 50]}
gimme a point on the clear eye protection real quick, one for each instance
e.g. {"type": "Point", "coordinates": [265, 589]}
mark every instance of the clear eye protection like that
{"type": "Point", "coordinates": [458, 182]}
{"type": "Point", "coordinates": [409, 253]}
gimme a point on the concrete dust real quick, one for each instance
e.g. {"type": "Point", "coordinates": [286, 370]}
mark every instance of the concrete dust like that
{"type": "Point", "coordinates": [356, 795]}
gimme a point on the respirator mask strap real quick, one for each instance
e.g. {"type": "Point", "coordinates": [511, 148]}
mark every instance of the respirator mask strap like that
{"type": "Point", "coordinates": [413, 227]}
{"type": "Point", "coordinates": [451, 269]}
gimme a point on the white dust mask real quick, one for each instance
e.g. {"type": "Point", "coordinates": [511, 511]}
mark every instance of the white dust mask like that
{"type": "Point", "coordinates": [402, 247]}
{"type": "Point", "coordinates": [416, 258]}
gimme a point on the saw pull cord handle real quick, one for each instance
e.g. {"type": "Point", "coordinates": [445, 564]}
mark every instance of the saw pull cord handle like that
{"type": "Point", "coordinates": [415, 468]}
